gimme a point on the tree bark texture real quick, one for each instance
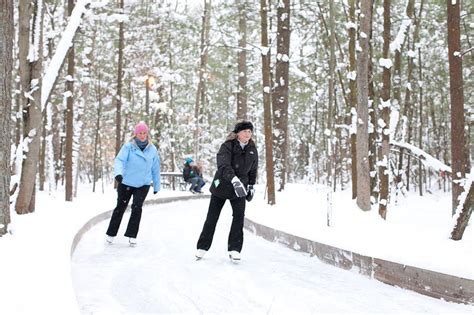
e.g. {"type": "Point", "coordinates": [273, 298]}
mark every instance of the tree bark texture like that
{"type": "Point", "coordinates": [97, 133]}
{"type": "Point", "coordinates": [201, 89]}
{"type": "Point", "coordinates": [69, 116]}
{"type": "Point", "coordinates": [267, 116]}
{"type": "Point", "coordinates": [464, 216]}
{"type": "Point", "coordinates": [280, 97]}
{"type": "Point", "coordinates": [363, 176]}
{"type": "Point", "coordinates": [352, 96]}
{"type": "Point", "coordinates": [6, 67]}
{"type": "Point", "coordinates": [458, 144]}
{"type": "Point", "coordinates": [405, 122]}
{"type": "Point", "coordinates": [331, 98]}
{"type": "Point", "coordinates": [385, 147]}
{"type": "Point", "coordinates": [118, 96]}
{"type": "Point", "coordinates": [31, 69]}
{"type": "Point", "coordinates": [242, 62]}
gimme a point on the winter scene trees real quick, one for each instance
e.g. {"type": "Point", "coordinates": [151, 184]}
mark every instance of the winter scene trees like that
{"type": "Point", "coordinates": [362, 115]}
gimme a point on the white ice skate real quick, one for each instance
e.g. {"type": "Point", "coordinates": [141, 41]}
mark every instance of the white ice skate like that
{"type": "Point", "coordinates": [200, 253]}
{"type": "Point", "coordinates": [132, 241]}
{"type": "Point", "coordinates": [109, 239]}
{"type": "Point", "coordinates": [234, 256]}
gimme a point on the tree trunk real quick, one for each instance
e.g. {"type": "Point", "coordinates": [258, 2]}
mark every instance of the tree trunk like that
{"type": "Point", "coordinates": [280, 97]}
{"type": "Point", "coordinates": [372, 119]}
{"type": "Point", "coordinates": [97, 133]}
{"type": "Point", "coordinates": [331, 93]}
{"type": "Point", "coordinates": [242, 62]}
{"type": "Point", "coordinates": [458, 144]}
{"type": "Point", "coordinates": [363, 176]}
{"type": "Point", "coordinates": [420, 115]}
{"type": "Point", "coordinates": [42, 157]}
{"type": "Point", "coordinates": [267, 116]}
{"type": "Point", "coordinates": [351, 118]}
{"type": "Point", "coordinates": [69, 115]}
{"type": "Point", "coordinates": [406, 117]}
{"type": "Point", "coordinates": [465, 214]}
{"type": "Point", "coordinates": [201, 89]}
{"type": "Point", "coordinates": [385, 147]}
{"type": "Point", "coordinates": [30, 76]}
{"type": "Point", "coordinates": [6, 67]}
{"type": "Point", "coordinates": [118, 97]}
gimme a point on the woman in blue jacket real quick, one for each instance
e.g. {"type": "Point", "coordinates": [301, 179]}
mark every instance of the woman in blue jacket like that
{"type": "Point", "coordinates": [136, 166]}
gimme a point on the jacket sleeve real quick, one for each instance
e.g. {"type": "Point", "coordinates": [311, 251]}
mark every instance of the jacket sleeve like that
{"type": "Point", "coordinates": [224, 161]}
{"type": "Point", "coordinates": [253, 171]}
{"type": "Point", "coordinates": [155, 173]}
{"type": "Point", "coordinates": [121, 159]}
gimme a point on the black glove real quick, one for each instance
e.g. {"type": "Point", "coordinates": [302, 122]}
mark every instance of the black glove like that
{"type": "Point", "coordinates": [238, 187]}
{"type": "Point", "coordinates": [250, 193]}
{"type": "Point", "coordinates": [119, 178]}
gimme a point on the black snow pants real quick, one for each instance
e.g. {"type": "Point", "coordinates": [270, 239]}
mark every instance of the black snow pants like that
{"type": "Point", "coordinates": [236, 235]}
{"type": "Point", "coordinates": [124, 193]}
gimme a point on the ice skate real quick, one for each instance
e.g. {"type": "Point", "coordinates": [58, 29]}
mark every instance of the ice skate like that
{"type": "Point", "coordinates": [109, 239]}
{"type": "Point", "coordinates": [132, 241]}
{"type": "Point", "coordinates": [234, 256]}
{"type": "Point", "coordinates": [200, 254]}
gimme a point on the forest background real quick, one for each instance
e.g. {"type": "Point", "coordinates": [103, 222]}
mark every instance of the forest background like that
{"type": "Point", "coordinates": [361, 95]}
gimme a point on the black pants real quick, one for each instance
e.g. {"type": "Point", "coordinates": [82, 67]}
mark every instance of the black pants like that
{"type": "Point", "coordinates": [236, 235]}
{"type": "Point", "coordinates": [124, 193]}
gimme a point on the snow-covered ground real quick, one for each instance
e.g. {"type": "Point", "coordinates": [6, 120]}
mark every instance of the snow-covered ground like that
{"type": "Point", "coordinates": [416, 232]}
{"type": "Point", "coordinates": [161, 276]}
{"type": "Point", "coordinates": [37, 264]}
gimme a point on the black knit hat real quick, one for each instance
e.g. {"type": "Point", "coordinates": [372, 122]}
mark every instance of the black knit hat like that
{"type": "Point", "coordinates": [243, 125]}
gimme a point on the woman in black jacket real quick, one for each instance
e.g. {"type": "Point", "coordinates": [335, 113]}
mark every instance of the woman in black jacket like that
{"type": "Point", "coordinates": [237, 163]}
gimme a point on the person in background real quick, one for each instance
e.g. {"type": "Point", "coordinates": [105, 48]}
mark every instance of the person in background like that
{"type": "Point", "coordinates": [237, 164]}
{"type": "Point", "coordinates": [136, 166]}
{"type": "Point", "coordinates": [192, 174]}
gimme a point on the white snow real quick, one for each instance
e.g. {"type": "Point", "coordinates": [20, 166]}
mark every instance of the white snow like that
{"type": "Point", "coordinates": [385, 62]}
{"type": "Point", "coordinates": [67, 36]}
{"type": "Point", "coordinates": [160, 274]}
{"type": "Point", "coordinates": [428, 160]}
{"type": "Point", "coordinates": [400, 38]}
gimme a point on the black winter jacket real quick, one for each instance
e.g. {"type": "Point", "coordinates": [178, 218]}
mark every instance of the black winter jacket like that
{"type": "Point", "coordinates": [188, 172]}
{"type": "Point", "coordinates": [232, 161]}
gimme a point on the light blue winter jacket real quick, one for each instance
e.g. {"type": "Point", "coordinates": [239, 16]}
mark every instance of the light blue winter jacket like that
{"type": "Point", "coordinates": [137, 167]}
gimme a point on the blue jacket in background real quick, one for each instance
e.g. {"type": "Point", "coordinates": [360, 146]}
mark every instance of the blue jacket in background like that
{"type": "Point", "coordinates": [137, 167]}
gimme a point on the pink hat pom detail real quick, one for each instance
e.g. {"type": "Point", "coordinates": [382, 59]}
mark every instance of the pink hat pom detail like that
{"type": "Point", "coordinates": [141, 127]}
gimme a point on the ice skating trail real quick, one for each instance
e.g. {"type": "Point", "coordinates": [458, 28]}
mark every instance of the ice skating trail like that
{"type": "Point", "coordinates": [161, 276]}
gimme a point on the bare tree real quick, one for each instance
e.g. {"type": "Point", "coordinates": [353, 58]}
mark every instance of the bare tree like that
{"type": "Point", "coordinates": [6, 67]}
{"type": "Point", "coordinates": [420, 117]}
{"type": "Point", "coordinates": [458, 156]}
{"type": "Point", "coordinates": [118, 96]}
{"type": "Point", "coordinates": [242, 61]}
{"type": "Point", "coordinates": [458, 145]}
{"type": "Point", "coordinates": [267, 116]}
{"type": "Point", "coordinates": [97, 129]}
{"type": "Point", "coordinates": [363, 176]}
{"type": "Point", "coordinates": [201, 89]}
{"type": "Point", "coordinates": [331, 99]}
{"type": "Point", "coordinates": [280, 93]}
{"type": "Point", "coordinates": [30, 78]}
{"type": "Point", "coordinates": [69, 115]}
{"type": "Point", "coordinates": [385, 147]}
{"type": "Point", "coordinates": [352, 95]}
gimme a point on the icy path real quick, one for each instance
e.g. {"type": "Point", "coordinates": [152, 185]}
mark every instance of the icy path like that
{"type": "Point", "coordinates": [160, 275]}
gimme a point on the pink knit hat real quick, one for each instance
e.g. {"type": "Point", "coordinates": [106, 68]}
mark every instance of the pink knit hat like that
{"type": "Point", "coordinates": [141, 127]}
